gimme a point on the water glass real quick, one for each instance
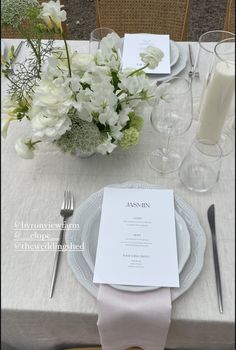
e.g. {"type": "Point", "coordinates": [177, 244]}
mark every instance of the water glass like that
{"type": "Point", "coordinates": [95, 38]}
{"type": "Point", "coordinates": [200, 169]}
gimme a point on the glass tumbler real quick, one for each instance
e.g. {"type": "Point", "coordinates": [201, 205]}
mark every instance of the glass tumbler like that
{"type": "Point", "coordinates": [95, 38]}
{"type": "Point", "coordinates": [200, 169]}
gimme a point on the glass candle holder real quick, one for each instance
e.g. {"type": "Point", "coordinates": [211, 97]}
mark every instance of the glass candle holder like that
{"type": "Point", "coordinates": [218, 93]}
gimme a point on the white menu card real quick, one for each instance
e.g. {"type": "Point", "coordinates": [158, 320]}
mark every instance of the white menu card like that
{"type": "Point", "coordinates": [134, 44]}
{"type": "Point", "coordinates": [137, 238]}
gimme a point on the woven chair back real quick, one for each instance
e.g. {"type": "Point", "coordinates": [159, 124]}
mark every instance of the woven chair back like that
{"type": "Point", "coordinates": [145, 16]}
{"type": "Point", "coordinates": [230, 16]}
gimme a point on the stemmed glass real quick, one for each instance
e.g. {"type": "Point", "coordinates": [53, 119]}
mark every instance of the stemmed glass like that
{"type": "Point", "coordinates": [171, 116]}
{"type": "Point", "coordinates": [95, 38]}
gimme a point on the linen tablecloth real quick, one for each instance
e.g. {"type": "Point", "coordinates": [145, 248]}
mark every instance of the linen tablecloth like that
{"type": "Point", "coordinates": [32, 192]}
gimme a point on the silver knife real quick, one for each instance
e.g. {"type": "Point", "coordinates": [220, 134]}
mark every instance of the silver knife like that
{"type": "Point", "coordinates": [211, 219]}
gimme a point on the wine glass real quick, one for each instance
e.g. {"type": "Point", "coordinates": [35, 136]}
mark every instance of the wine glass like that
{"type": "Point", "coordinates": [171, 116]}
{"type": "Point", "coordinates": [95, 38]}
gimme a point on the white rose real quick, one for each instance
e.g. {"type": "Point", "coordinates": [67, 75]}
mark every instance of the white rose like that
{"type": "Point", "coordinates": [106, 147]}
{"type": "Point", "coordinates": [23, 150]}
{"type": "Point", "coordinates": [152, 56]}
{"type": "Point", "coordinates": [80, 62]}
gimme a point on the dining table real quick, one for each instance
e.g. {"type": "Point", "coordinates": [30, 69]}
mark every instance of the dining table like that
{"type": "Point", "coordinates": [32, 193]}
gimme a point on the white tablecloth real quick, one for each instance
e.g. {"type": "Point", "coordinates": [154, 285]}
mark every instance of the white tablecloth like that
{"type": "Point", "coordinates": [32, 192]}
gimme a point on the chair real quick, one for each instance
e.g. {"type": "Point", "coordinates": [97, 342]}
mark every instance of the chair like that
{"type": "Point", "coordinates": [12, 33]}
{"type": "Point", "coordinates": [145, 16]}
{"type": "Point", "coordinates": [229, 24]}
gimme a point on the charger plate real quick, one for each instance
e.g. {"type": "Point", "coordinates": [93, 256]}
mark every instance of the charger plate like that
{"type": "Point", "coordinates": [191, 269]}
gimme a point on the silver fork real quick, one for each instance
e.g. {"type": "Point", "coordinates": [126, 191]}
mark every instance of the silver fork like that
{"type": "Point", "coordinates": [66, 211]}
{"type": "Point", "coordinates": [194, 70]}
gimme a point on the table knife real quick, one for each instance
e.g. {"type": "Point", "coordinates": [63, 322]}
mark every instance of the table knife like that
{"type": "Point", "coordinates": [211, 220]}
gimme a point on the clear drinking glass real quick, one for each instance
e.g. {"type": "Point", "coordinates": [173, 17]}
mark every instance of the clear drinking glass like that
{"type": "Point", "coordinates": [200, 169]}
{"type": "Point", "coordinates": [171, 117]}
{"type": "Point", "coordinates": [95, 38]}
{"type": "Point", "coordinates": [218, 96]}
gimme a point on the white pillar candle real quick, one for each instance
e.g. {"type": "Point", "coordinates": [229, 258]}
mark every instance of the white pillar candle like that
{"type": "Point", "coordinates": [216, 102]}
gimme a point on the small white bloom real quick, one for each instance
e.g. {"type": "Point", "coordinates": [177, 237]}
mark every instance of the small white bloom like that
{"type": "Point", "coordinates": [111, 41]}
{"type": "Point", "coordinates": [108, 116]}
{"type": "Point", "coordinates": [116, 132]}
{"type": "Point", "coordinates": [152, 56]}
{"type": "Point", "coordinates": [51, 14]}
{"type": "Point", "coordinates": [106, 147]}
{"type": "Point", "coordinates": [23, 150]}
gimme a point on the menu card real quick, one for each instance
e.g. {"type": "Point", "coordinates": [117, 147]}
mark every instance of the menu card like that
{"type": "Point", "coordinates": [134, 44]}
{"type": "Point", "coordinates": [137, 238]}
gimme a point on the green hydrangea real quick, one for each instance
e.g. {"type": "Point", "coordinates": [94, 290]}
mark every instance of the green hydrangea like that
{"type": "Point", "coordinates": [14, 12]}
{"type": "Point", "coordinates": [82, 136]}
{"type": "Point", "coordinates": [136, 121]}
{"type": "Point", "coordinates": [130, 138]}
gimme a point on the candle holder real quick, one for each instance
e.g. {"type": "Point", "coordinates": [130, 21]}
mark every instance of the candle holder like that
{"type": "Point", "coordinates": [218, 94]}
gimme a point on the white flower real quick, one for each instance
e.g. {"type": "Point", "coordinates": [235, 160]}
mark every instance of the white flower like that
{"type": "Point", "coordinates": [111, 41]}
{"type": "Point", "coordinates": [9, 105]}
{"type": "Point", "coordinates": [102, 97]}
{"type": "Point", "coordinates": [51, 14]}
{"type": "Point", "coordinates": [108, 116]}
{"type": "Point", "coordinates": [152, 56]}
{"type": "Point", "coordinates": [80, 62]}
{"type": "Point", "coordinates": [23, 149]}
{"type": "Point", "coordinates": [106, 147]}
{"type": "Point", "coordinates": [116, 132]}
{"type": "Point", "coordinates": [45, 127]}
{"type": "Point", "coordinates": [124, 115]}
{"type": "Point", "coordinates": [49, 68]}
{"type": "Point", "coordinates": [49, 110]}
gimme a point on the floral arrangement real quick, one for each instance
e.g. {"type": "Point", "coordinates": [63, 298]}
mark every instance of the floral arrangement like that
{"type": "Point", "coordinates": [79, 102]}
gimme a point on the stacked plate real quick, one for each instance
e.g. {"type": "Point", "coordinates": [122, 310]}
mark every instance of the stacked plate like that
{"type": "Point", "coordinates": [178, 61]}
{"type": "Point", "coordinates": [191, 242]}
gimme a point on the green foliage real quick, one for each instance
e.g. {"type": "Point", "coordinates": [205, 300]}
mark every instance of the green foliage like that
{"type": "Point", "coordinates": [14, 13]}
{"type": "Point", "coordinates": [83, 136]}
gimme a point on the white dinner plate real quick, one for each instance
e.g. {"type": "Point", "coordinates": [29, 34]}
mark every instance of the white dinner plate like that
{"type": "Point", "coordinates": [177, 68]}
{"type": "Point", "coordinates": [174, 53]}
{"type": "Point", "coordinates": [89, 230]}
{"type": "Point", "coordinates": [191, 269]}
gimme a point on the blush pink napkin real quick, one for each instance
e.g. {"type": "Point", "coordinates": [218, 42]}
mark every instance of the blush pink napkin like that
{"type": "Point", "coordinates": [128, 319]}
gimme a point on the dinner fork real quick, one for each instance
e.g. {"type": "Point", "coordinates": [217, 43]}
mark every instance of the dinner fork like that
{"type": "Point", "coordinates": [194, 67]}
{"type": "Point", "coordinates": [66, 211]}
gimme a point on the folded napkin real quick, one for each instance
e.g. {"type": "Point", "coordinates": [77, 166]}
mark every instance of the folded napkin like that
{"type": "Point", "coordinates": [128, 319]}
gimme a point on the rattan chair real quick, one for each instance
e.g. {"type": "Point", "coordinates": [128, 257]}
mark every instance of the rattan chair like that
{"type": "Point", "coordinates": [11, 33]}
{"type": "Point", "coordinates": [229, 24]}
{"type": "Point", "coordinates": [145, 16]}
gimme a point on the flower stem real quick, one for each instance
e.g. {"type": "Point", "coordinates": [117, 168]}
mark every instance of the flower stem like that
{"type": "Point", "coordinates": [138, 70]}
{"type": "Point", "coordinates": [67, 53]}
